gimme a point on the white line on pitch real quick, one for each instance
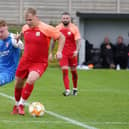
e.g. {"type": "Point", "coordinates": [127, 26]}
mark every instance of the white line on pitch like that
{"type": "Point", "coordinates": [69, 120]}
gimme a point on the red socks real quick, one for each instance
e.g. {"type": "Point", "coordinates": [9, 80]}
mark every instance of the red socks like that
{"type": "Point", "coordinates": [27, 91]}
{"type": "Point", "coordinates": [66, 78]}
{"type": "Point", "coordinates": [22, 94]}
{"type": "Point", "coordinates": [74, 78]}
{"type": "Point", "coordinates": [18, 92]}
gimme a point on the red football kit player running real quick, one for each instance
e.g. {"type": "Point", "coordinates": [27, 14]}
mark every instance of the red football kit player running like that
{"type": "Point", "coordinates": [70, 51]}
{"type": "Point", "coordinates": [35, 57]}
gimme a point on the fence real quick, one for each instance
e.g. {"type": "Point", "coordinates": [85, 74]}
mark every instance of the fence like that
{"type": "Point", "coordinates": [50, 10]}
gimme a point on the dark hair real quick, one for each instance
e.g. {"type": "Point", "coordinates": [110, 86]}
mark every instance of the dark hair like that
{"type": "Point", "coordinates": [66, 13]}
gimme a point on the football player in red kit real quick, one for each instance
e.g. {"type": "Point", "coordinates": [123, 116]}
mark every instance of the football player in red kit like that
{"type": "Point", "coordinates": [34, 60]}
{"type": "Point", "coordinates": [70, 52]}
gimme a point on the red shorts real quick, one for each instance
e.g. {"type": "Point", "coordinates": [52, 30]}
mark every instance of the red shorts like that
{"type": "Point", "coordinates": [68, 61]}
{"type": "Point", "coordinates": [25, 67]}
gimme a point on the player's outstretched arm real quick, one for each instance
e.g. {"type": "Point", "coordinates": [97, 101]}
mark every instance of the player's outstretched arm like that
{"type": "Point", "coordinates": [19, 36]}
{"type": "Point", "coordinates": [17, 43]}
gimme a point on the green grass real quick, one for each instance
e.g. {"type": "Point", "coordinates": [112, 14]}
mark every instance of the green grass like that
{"type": "Point", "coordinates": [102, 102]}
{"type": "Point", "coordinates": [14, 29]}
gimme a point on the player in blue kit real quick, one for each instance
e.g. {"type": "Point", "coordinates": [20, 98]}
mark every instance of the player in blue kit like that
{"type": "Point", "coordinates": [9, 54]}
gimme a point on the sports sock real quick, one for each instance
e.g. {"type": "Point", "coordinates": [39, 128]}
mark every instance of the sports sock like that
{"type": "Point", "coordinates": [27, 90]}
{"type": "Point", "coordinates": [66, 78]}
{"type": "Point", "coordinates": [74, 78]}
{"type": "Point", "coordinates": [17, 94]}
{"type": "Point", "coordinates": [22, 101]}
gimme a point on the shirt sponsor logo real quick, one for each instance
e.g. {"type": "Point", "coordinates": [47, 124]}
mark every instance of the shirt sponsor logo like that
{"type": "Point", "coordinates": [4, 53]}
{"type": "Point", "coordinates": [37, 34]}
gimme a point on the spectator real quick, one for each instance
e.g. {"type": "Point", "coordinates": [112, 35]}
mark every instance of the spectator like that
{"type": "Point", "coordinates": [107, 54]}
{"type": "Point", "coordinates": [121, 56]}
{"type": "Point", "coordinates": [128, 56]}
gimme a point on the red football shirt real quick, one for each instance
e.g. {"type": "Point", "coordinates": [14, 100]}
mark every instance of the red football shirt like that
{"type": "Point", "coordinates": [71, 34]}
{"type": "Point", "coordinates": [37, 41]}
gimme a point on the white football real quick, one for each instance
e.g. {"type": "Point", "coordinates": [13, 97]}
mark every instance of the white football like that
{"type": "Point", "coordinates": [36, 109]}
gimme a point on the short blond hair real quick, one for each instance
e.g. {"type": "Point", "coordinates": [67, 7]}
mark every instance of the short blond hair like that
{"type": "Point", "coordinates": [31, 11]}
{"type": "Point", "coordinates": [3, 23]}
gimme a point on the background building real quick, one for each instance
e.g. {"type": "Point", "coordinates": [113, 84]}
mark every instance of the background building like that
{"type": "Point", "coordinates": [95, 18]}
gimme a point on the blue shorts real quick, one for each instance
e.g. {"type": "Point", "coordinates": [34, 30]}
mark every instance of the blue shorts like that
{"type": "Point", "coordinates": [6, 77]}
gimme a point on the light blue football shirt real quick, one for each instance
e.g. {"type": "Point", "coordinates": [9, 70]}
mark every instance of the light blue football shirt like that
{"type": "Point", "coordinates": [9, 57]}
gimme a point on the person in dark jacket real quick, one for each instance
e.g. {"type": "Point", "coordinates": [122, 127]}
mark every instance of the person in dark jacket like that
{"type": "Point", "coordinates": [121, 54]}
{"type": "Point", "coordinates": [128, 56]}
{"type": "Point", "coordinates": [107, 54]}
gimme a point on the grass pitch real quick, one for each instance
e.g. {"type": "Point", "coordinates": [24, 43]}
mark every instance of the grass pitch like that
{"type": "Point", "coordinates": [102, 102]}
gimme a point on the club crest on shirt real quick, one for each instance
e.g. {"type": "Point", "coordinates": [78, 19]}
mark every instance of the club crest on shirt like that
{"type": "Point", "coordinates": [69, 33]}
{"type": "Point", "coordinates": [37, 34]}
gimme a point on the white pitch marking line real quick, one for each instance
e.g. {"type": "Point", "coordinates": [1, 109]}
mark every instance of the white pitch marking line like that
{"type": "Point", "coordinates": [69, 120]}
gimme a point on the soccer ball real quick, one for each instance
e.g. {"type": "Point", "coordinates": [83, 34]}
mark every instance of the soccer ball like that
{"type": "Point", "coordinates": [36, 109]}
